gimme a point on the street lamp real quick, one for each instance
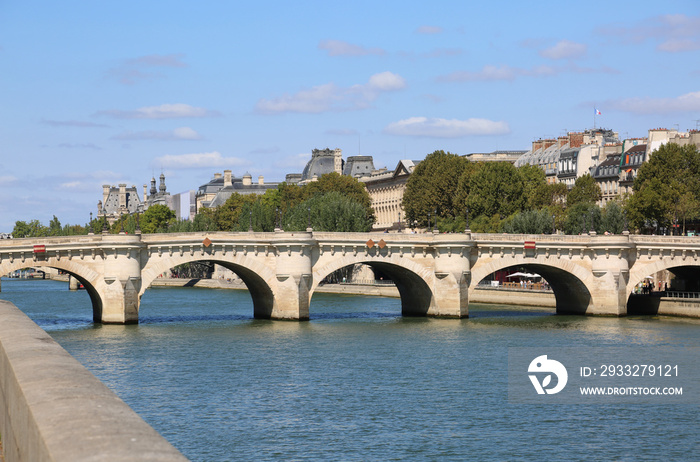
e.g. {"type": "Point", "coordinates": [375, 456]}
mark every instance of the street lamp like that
{"type": "Point", "coordinates": [91, 231]}
{"type": "Point", "coordinates": [309, 219]}
{"type": "Point", "coordinates": [466, 229]}
{"type": "Point", "coordinates": [250, 221]}
{"type": "Point", "coordinates": [435, 220]}
{"type": "Point", "coordinates": [428, 221]}
{"type": "Point", "coordinates": [399, 221]}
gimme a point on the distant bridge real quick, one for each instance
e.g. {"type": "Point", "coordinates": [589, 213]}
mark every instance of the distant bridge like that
{"type": "Point", "coordinates": [434, 273]}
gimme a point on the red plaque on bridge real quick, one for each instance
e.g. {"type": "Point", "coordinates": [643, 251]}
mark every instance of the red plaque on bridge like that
{"type": "Point", "coordinates": [370, 243]}
{"type": "Point", "coordinates": [39, 249]}
{"type": "Point", "coordinates": [206, 242]}
{"type": "Point", "coordinates": [382, 244]}
{"type": "Point", "coordinates": [530, 245]}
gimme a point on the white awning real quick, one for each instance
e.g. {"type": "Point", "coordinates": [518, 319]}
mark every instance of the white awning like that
{"type": "Point", "coordinates": [524, 275]}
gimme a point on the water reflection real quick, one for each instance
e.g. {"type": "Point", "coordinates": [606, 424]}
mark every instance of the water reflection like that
{"type": "Point", "coordinates": [358, 381]}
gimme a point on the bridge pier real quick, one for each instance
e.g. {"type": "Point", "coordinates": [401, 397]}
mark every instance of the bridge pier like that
{"type": "Point", "coordinates": [452, 279]}
{"type": "Point", "coordinates": [119, 292]}
{"type": "Point", "coordinates": [73, 283]}
{"type": "Point", "coordinates": [608, 287]}
{"type": "Point", "coordinates": [294, 279]}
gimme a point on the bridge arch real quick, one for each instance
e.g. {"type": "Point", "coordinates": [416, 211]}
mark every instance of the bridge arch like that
{"type": "Point", "coordinates": [688, 267]}
{"type": "Point", "coordinates": [566, 278]}
{"type": "Point", "coordinates": [412, 280]}
{"type": "Point", "coordinates": [255, 275]}
{"type": "Point", "coordinates": [85, 275]}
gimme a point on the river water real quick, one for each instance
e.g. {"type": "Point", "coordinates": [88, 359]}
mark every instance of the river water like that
{"type": "Point", "coordinates": [358, 381]}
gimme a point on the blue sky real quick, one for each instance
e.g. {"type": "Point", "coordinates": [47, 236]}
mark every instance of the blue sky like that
{"type": "Point", "coordinates": [112, 92]}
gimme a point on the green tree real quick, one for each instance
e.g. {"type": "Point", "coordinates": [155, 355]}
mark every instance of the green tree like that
{"type": "Point", "coordinates": [534, 183]}
{"type": "Point", "coordinates": [55, 228]}
{"type": "Point", "coordinates": [666, 188]}
{"type": "Point", "coordinates": [550, 195]}
{"type": "Point", "coordinates": [585, 191]}
{"type": "Point", "coordinates": [329, 212]}
{"type": "Point", "coordinates": [227, 215]}
{"type": "Point", "coordinates": [496, 189]}
{"type": "Point", "coordinates": [582, 217]}
{"type": "Point", "coordinates": [486, 224]}
{"type": "Point", "coordinates": [345, 185]}
{"type": "Point", "coordinates": [261, 216]}
{"type": "Point", "coordinates": [32, 229]}
{"type": "Point", "coordinates": [156, 219]}
{"type": "Point", "coordinates": [613, 218]}
{"type": "Point", "coordinates": [433, 186]}
{"type": "Point", "coordinates": [529, 222]}
{"type": "Point", "coordinates": [687, 207]}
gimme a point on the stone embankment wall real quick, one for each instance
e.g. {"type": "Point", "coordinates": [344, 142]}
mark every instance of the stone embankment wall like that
{"type": "Point", "coordinates": [486, 295]}
{"type": "Point", "coordinates": [53, 409]}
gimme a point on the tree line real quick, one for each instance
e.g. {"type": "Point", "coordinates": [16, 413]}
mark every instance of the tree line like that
{"type": "Point", "coordinates": [333, 203]}
{"type": "Point", "coordinates": [446, 189]}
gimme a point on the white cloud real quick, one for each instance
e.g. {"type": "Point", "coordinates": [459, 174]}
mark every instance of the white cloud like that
{"type": "Point", "coordinates": [70, 185]}
{"type": "Point", "coordinates": [446, 128]}
{"type": "Point", "coordinates": [504, 72]}
{"type": "Point", "coordinates": [7, 180]}
{"type": "Point", "coordinates": [340, 48]}
{"type": "Point", "coordinates": [689, 102]}
{"type": "Point", "coordinates": [131, 71]}
{"type": "Point", "coordinates": [386, 81]}
{"type": "Point", "coordinates": [164, 111]}
{"type": "Point", "coordinates": [72, 123]}
{"type": "Point", "coordinates": [197, 160]}
{"type": "Point", "coordinates": [182, 133]}
{"type": "Point", "coordinates": [329, 97]}
{"type": "Point", "coordinates": [91, 146]}
{"type": "Point", "coordinates": [674, 32]}
{"type": "Point", "coordinates": [679, 45]}
{"type": "Point", "coordinates": [488, 72]}
{"type": "Point", "coordinates": [564, 49]}
{"type": "Point", "coordinates": [429, 30]}
{"type": "Point", "coordinates": [315, 100]}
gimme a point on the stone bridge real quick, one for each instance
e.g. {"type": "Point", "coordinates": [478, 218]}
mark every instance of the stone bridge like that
{"type": "Point", "coordinates": [434, 273]}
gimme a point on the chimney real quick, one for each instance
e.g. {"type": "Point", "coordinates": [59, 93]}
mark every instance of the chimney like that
{"type": "Point", "coordinates": [548, 143]}
{"type": "Point", "coordinates": [122, 196]}
{"type": "Point", "coordinates": [227, 179]}
{"type": "Point", "coordinates": [145, 192]}
{"type": "Point", "coordinates": [338, 161]}
{"type": "Point", "coordinates": [562, 141]}
{"type": "Point", "coordinates": [575, 140]}
{"type": "Point", "coordinates": [217, 176]}
{"type": "Point", "coordinates": [261, 180]}
{"type": "Point", "coordinates": [247, 179]}
{"type": "Point", "coordinates": [536, 145]}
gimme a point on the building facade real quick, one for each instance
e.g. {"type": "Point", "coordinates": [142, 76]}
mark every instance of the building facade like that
{"type": "Point", "coordinates": [221, 187]}
{"type": "Point", "coordinates": [386, 189]}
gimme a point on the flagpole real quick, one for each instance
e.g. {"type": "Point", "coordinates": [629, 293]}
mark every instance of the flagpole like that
{"type": "Point", "coordinates": [595, 113]}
